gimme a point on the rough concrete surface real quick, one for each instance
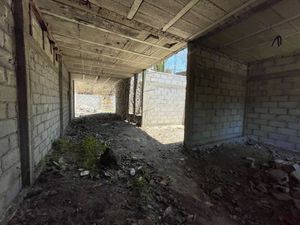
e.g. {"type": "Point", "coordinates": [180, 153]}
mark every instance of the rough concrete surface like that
{"type": "Point", "coordinates": [159, 183]}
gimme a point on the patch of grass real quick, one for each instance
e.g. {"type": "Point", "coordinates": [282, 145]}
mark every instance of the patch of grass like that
{"type": "Point", "coordinates": [139, 182]}
{"type": "Point", "coordinates": [90, 152]}
{"type": "Point", "coordinates": [87, 152]}
{"type": "Point", "coordinates": [63, 145]}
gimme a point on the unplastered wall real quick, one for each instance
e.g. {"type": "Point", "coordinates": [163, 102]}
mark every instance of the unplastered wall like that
{"type": "Point", "coordinates": [45, 102]}
{"type": "Point", "coordinates": [163, 99]}
{"type": "Point", "coordinates": [10, 174]}
{"type": "Point", "coordinates": [273, 102]}
{"type": "Point", "coordinates": [216, 90]}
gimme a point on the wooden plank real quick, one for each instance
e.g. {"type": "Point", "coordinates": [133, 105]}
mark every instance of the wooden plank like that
{"type": "Point", "coordinates": [180, 14]}
{"type": "Point", "coordinates": [134, 8]}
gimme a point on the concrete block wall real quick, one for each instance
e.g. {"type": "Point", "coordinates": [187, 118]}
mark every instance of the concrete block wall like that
{"type": "Point", "coordinates": [45, 102]}
{"type": "Point", "coordinates": [163, 99]}
{"type": "Point", "coordinates": [216, 96]}
{"type": "Point", "coordinates": [37, 67]}
{"type": "Point", "coordinates": [273, 102]}
{"type": "Point", "coordinates": [10, 173]}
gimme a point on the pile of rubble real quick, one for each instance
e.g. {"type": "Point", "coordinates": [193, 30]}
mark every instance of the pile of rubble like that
{"type": "Point", "coordinates": [285, 181]}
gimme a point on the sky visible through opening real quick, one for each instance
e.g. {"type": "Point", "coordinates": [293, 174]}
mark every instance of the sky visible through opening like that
{"type": "Point", "coordinates": [177, 63]}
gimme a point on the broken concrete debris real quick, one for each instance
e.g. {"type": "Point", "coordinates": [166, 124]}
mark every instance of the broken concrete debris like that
{"type": "Point", "coordinates": [132, 172]}
{"type": "Point", "coordinates": [84, 173]}
{"type": "Point", "coordinates": [279, 176]}
{"type": "Point", "coordinates": [252, 161]}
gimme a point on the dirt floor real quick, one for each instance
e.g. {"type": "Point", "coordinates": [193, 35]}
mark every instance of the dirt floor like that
{"type": "Point", "coordinates": [157, 182]}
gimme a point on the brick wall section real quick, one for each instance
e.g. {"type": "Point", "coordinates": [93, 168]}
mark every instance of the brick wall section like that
{"type": "Point", "coordinates": [215, 98]}
{"type": "Point", "coordinates": [10, 174]}
{"type": "Point", "coordinates": [66, 97]}
{"type": "Point", "coordinates": [164, 99]}
{"type": "Point", "coordinates": [44, 87]}
{"type": "Point", "coordinates": [273, 102]}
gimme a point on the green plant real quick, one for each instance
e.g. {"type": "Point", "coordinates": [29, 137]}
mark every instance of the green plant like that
{"type": "Point", "coordinates": [63, 145]}
{"type": "Point", "coordinates": [160, 66]}
{"type": "Point", "coordinates": [139, 182]}
{"type": "Point", "coordinates": [90, 152]}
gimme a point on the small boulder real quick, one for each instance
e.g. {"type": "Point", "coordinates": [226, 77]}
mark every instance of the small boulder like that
{"type": "Point", "coordinates": [168, 212]}
{"type": "Point", "coordinates": [296, 167]}
{"type": "Point", "coordinates": [132, 172]}
{"type": "Point", "coordinates": [84, 173]}
{"type": "Point", "coordinates": [279, 176]}
{"type": "Point", "coordinates": [108, 159]}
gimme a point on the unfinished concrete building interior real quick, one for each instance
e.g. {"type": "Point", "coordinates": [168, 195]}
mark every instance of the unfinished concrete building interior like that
{"type": "Point", "coordinates": [237, 160]}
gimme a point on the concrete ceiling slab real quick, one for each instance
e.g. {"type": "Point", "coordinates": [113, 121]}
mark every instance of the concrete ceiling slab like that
{"type": "Point", "coordinates": [100, 35]}
{"type": "Point", "coordinates": [253, 36]}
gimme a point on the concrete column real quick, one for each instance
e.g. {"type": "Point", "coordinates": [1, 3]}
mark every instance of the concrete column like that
{"type": "Point", "coordinates": [189, 99]}
{"type": "Point", "coordinates": [21, 30]}
{"type": "Point", "coordinates": [122, 98]}
{"type": "Point", "coordinates": [61, 112]}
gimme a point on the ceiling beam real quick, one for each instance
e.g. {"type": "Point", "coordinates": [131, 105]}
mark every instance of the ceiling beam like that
{"type": "Point", "coordinates": [86, 24]}
{"type": "Point", "coordinates": [118, 76]}
{"type": "Point", "coordinates": [222, 19]}
{"type": "Point", "coordinates": [134, 8]}
{"type": "Point", "coordinates": [69, 58]}
{"type": "Point", "coordinates": [101, 67]}
{"type": "Point", "coordinates": [99, 73]}
{"type": "Point", "coordinates": [101, 55]}
{"type": "Point", "coordinates": [102, 45]}
{"type": "Point", "coordinates": [181, 13]}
